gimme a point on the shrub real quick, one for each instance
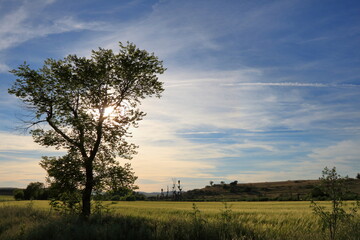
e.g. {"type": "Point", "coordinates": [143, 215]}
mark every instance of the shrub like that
{"type": "Point", "coordinates": [115, 198]}
{"type": "Point", "coordinates": [316, 192]}
{"type": "Point", "coordinates": [130, 198]}
{"type": "Point", "coordinates": [19, 194]}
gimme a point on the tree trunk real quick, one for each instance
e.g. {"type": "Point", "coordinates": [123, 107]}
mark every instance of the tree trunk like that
{"type": "Point", "coordinates": [86, 197]}
{"type": "Point", "coordinates": [89, 184]}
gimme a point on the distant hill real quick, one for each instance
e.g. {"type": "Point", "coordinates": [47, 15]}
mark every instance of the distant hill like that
{"type": "Point", "coordinates": [151, 194]}
{"type": "Point", "coordinates": [263, 191]}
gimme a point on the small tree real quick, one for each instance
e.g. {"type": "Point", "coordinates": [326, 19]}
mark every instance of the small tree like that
{"type": "Point", "coordinates": [174, 188]}
{"type": "Point", "coordinates": [86, 106]}
{"type": "Point", "coordinates": [234, 183]}
{"type": "Point", "coordinates": [180, 188]}
{"type": "Point", "coordinates": [333, 185]}
{"type": "Point", "coordinates": [162, 193]}
{"type": "Point", "coordinates": [358, 176]}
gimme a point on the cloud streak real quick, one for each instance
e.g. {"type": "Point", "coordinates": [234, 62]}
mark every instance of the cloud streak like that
{"type": "Point", "coordinates": [4, 68]}
{"type": "Point", "coordinates": [28, 21]}
{"type": "Point", "coordinates": [291, 84]}
{"type": "Point", "coordinates": [10, 142]}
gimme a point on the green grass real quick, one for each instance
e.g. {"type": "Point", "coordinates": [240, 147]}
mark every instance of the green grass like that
{"type": "Point", "coordinates": [170, 220]}
{"type": "Point", "coordinates": [267, 220]}
{"type": "Point", "coordinates": [36, 204]}
{"type": "Point", "coordinates": [6, 198]}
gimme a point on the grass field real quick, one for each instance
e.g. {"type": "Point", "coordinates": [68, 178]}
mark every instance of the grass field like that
{"type": "Point", "coordinates": [6, 198]}
{"type": "Point", "coordinates": [171, 220]}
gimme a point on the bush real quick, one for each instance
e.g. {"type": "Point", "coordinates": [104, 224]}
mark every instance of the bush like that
{"type": "Point", "coordinates": [130, 198]}
{"type": "Point", "coordinates": [36, 191]}
{"type": "Point", "coordinates": [226, 187]}
{"type": "Point", "coordinates": [115, 198]}
{"type": "Point", "coordinates": [19, 194]}
{"type": "Point", "coordinates": [316, 192]}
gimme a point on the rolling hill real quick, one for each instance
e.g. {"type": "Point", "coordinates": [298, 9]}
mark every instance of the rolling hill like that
{"type": "Point", "coordinates": [263, 191]}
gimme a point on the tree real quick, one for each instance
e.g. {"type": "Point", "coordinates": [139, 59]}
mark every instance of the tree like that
{"type": "Point", "coordinates": [179, 195]}
{"type": "Point", "coordinates": [35, 191]}
{"type": "Point", "coordinates": [86, 106]}
{"type": "Point", "coordinates": [19, 194]}
{"type": "Point", "coordinates": [358, 176]}
{"type": "Point", "coordinates": [334, 186]}
{"type": "Point", "coordinates": [234, 183]}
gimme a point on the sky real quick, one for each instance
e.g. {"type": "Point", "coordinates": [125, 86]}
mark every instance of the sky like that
{"type": "Point", "coordinates": [254, 90]}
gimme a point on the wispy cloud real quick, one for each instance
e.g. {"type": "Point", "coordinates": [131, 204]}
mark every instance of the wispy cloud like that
{"type": "Point", "coordinates": [27, 21]}
{"type": "Point", "coordinates": [4, 68]}
{"type": "Point", "coordinates": [19, 158]}
{"type": "Point", "coordinates": [345, 153]}
{"type": "Point", "coordinates": [19, 174]}
{"type": "Point", "coordinates": [21, 143]}
{"type": "Point", "coordinates": [290, 84]}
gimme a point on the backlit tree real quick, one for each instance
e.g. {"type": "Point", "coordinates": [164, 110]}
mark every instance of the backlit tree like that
{"type": "Point", "coordinates": [86, 106]}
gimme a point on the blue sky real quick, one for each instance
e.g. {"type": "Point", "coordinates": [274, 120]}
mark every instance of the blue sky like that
{"type": "Point", "coordinates": [254, 91]}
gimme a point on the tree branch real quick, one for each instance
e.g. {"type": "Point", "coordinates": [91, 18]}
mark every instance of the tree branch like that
{"type": "Point", "coordinates": [80, 145]}
{"type": "Point", "coordinates": [99, 133]}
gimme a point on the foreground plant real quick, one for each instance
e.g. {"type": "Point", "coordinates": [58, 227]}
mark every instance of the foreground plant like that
{"type": "Point", "coordinates": [86, 106]}
{"type": "Point", "coordinates": [334, 186]}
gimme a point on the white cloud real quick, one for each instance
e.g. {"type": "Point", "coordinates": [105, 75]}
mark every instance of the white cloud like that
{"type": "Point", "coordinates": [291, 84]}
{"type": "Point", "coordinates": [265, 176]}
{"type": "Point", "coordinates": [345, 154]}
{"type": "Point", "coordinates": [28, 21]}
{"type": "Point", "coordinates": [20, 174]}
{"type": "Point", "coordinates": [251, 145]}
{"type": "Point", "coordinates": [20, 143]}
{"type": "Point", "coordinates": [4, 68]}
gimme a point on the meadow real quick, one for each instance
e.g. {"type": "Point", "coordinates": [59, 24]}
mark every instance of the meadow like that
{"type": "Point", "coordinates": [170, 220]}
{"type": "Point", "coordinates": [4, 198]}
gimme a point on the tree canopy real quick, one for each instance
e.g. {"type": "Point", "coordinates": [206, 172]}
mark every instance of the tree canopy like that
{"type": "Point", "coordinates": [86, 106]}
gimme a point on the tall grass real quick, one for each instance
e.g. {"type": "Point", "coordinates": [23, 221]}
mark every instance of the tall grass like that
{"type": "Point", "coordinates": [163, 220]}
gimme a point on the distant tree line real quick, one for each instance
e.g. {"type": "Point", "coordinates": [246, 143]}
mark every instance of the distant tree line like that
{"type": "Point", "coordinates": [34, 191]}
{"type": "Point", "coordinates": [38, 191]}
